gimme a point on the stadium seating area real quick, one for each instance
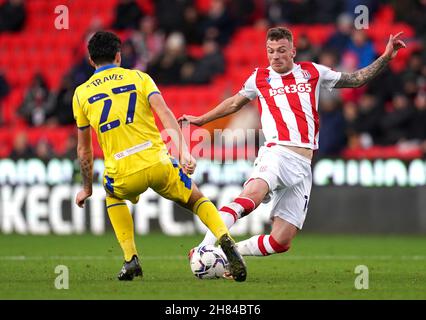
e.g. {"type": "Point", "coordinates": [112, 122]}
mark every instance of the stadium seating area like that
{"type": "Point", "coordinates": [42, 48]}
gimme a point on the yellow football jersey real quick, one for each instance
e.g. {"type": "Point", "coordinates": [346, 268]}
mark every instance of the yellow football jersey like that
{"type": "Point", "coordinates": [114, 102]}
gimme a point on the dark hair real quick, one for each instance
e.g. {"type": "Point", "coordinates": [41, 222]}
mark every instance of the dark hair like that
{"type": "Point", "coordinates": [103, 46]}
{"type": "Point", "coordinates": [279, 33]}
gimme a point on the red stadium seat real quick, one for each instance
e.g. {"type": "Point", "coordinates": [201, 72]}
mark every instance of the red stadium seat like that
{"type": "Point", "coordinates": [6, 142]}
{"type": "Point", "coordinates": [147, 6]}
{"type": "Point", "coordinates": [385, 15]}
{"type": "Point", "coordinates": [382, 152]}
{"type": "Point", "coordinates": [10, 105]}
{"type": "Point", "coordinates": [319, 34]}
{"type": "Point", "coordinates": [203, 5]}
{"type": "Point", "coordinates": [41, 47]}
{"type": "Point", "coordinates": [33, 7]}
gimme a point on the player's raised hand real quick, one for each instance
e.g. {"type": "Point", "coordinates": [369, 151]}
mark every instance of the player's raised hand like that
{"type": "Point", "coordinates": [188, 163]}
{"type": "Point", "coordinates": [394, 44]}
{"type": "Point", "coordinates": [191, 119]}
{"type": "Point", "coordinates": [81, 197]}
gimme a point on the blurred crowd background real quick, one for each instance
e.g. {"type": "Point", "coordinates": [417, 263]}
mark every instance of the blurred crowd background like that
{"type": "Point", "coordinates": [200, 52]}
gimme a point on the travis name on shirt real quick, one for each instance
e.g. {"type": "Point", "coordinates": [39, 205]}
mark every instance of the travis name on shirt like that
{"type": "Point", "coordinates": [104, 79]}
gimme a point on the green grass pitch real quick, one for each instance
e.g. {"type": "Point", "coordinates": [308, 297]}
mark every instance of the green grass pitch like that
{"type": "Point", "coordinates": [316, 267]}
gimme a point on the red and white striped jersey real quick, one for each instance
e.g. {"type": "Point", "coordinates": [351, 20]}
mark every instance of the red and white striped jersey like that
{"type": "Point", "coordinates": [288, 103]}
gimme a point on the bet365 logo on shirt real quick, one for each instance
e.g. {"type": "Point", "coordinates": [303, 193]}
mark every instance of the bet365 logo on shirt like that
{"type": "Point", "coordinates": [292, 88]}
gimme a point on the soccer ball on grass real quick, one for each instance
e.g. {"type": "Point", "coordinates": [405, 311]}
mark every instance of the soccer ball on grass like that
{"type": "Point", "coordinates": [208, 262]}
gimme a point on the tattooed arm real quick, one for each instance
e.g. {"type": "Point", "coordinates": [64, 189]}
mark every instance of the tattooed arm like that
{"type": "Point", "coordinates": [85, 156]}
{"type": "Point", "coordinates": [360, 77]}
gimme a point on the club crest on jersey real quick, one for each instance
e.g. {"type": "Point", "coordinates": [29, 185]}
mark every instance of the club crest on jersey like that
{"type": "Point", "coordinates": [268, 79]}
{"type": "Point", "coordinates": [306, 74]}
{"type": "Point", "coordinates": [263, 168]}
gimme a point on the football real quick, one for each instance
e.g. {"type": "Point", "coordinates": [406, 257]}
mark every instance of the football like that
{"type": "Point", "coordinates": [208, 262]}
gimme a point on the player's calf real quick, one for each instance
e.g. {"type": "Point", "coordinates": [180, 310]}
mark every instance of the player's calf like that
{"type": "Point", "coordinates": [230, 213]}
{"type": "Point", "coordinates": [261, 245]}
{"type": "Point", "coordinates": [252, 196]}
{"type": "Point", "coordinates": [240, 207]}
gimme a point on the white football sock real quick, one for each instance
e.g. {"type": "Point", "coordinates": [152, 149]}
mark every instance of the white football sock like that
{"type": "Point", "coordinates": [210, 237]}
{"type": "Point", "coordinates": [260, 245]}
{"type": "Point", "coordinates": [230, 213]}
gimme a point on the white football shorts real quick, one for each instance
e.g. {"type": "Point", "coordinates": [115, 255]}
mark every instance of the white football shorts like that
{"type": "Point", "coordinates": [289, 178]}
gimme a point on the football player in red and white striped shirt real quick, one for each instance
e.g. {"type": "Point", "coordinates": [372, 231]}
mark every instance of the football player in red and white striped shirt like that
{"type": "Point", "coordinates": [287, 94]}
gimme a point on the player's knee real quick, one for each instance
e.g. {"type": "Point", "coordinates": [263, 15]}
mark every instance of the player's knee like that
{"type": "Point", "coordinates": [112, 200]}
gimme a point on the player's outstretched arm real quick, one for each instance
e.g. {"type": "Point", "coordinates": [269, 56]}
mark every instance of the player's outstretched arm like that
{"type": "Point", "coordinates": [360, 77]}
{"type": "Point", "coordinates": [85, 157]}
{"type": "Point", "coordinates": [169, 122]}
{"type": "Point", "coordinates": [226, 107]}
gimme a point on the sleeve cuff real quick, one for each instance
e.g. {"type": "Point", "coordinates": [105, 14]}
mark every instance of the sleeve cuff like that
{"type": "Point", "coordinates": [153, 92]}
{"type": "Point", "coordinates": [246, 95]}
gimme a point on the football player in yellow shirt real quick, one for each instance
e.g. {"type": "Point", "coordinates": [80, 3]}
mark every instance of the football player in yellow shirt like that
{"type": "Point", "coordinates": [117, 103]}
